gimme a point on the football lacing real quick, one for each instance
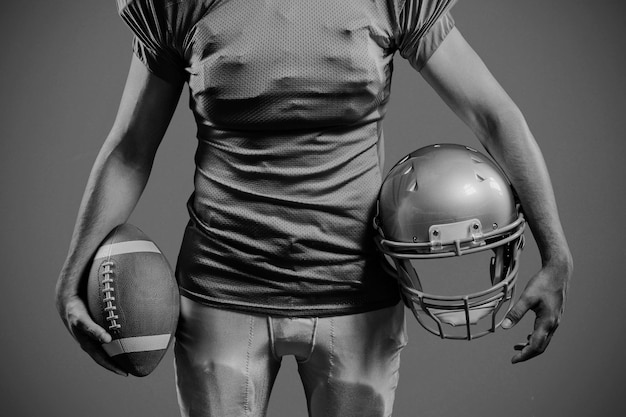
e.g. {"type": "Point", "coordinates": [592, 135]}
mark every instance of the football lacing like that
{"type": "Point", "coordinates": [109, 298]}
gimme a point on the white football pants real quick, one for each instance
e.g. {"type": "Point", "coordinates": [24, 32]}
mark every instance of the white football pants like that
{"type": "Point", "coordinates": [227, 362]}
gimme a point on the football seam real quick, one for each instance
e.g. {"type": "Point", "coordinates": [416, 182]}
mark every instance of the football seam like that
{"type": "Point", "coordinates": [109, 298]}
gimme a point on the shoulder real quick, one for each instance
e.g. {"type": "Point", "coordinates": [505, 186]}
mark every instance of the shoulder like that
{"type": "Point", "coordinates": [172, 11]}
{"type": "Point", "coordinates": [423, 9]}
{"type": "Point", "coordinates": [152, 10]}
{"type": "Point", "coordinates": [422, 26]}
{"type": "Point", "coordinates": [417, 17]}
{"type": "Point", "coordinates": [123, 6]}
{"type": "Point", "coordinates": [172, 7]}
{"type": "Point", "coordinates": [167, 20]}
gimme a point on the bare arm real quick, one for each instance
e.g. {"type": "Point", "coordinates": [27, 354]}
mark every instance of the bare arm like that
{"type": "Point", "coordinates": [116, 182]}
{"type": "Point", "coordinates": [460, 77]}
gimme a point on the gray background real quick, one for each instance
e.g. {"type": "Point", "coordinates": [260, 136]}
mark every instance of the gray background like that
{"type": "Point", "coordinates": [62, 71]}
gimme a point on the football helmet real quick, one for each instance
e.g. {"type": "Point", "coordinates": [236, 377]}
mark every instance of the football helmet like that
{"type": "Point", "coordinates": [443, 201]}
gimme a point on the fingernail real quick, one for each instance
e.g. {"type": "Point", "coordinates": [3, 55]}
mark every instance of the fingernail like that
{"type": "Point", "coordinates": [507, 323]}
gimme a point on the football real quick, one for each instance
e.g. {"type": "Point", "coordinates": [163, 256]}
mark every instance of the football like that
{"type": "Point", "coordinates": [133, 295]}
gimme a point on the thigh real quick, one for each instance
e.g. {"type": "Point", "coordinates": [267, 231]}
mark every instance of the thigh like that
{"type": "Point", "coordinates": [224, 365]}
{"type": "Point", "coordinates": [353, 370]}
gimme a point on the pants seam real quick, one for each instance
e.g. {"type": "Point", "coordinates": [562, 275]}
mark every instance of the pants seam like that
{"type": "Point", "coordinates": [331, 359]}
{"type": "Point", "coordinates": [247, 390]}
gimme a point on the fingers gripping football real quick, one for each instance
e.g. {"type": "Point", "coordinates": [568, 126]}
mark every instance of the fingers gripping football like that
{"type": "Point", "coordinates": [88, 334]}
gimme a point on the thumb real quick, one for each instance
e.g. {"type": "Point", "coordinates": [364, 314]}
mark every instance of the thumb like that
{"type": "Point", "coordinates": [515, 314]}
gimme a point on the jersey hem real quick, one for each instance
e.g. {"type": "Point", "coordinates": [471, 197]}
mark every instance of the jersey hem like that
{"type": "Point", "coordinates": [320, 310]}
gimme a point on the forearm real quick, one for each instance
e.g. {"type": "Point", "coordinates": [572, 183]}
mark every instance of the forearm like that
{"type": "Point", "coordinates": [507, 137]}
{"type": "Point", "coordinates": [114, 186]}
{"type": "Point", "coordinates": [479, 100]}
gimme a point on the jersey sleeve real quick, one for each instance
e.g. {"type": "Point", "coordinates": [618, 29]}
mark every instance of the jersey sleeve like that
{"type": "Point", "coordinates": [154, 42]}
{"type": "Point", "coordinates": [423, 25]}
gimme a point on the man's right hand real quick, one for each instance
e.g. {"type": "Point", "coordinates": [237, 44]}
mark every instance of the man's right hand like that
{"type": "Point", "coordinates": [85, 331]}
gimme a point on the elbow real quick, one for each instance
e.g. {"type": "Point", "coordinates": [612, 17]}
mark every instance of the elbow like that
{"type": "Point", "coordinates": [128, 151]}
{"type": "Point", "coordinates": [500, 124]}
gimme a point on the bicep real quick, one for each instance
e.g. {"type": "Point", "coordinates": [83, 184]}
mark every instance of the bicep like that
{"type": "Point", "coordinates": [460, 77]}
{"type": "Point", "coordinates": [145, 111]}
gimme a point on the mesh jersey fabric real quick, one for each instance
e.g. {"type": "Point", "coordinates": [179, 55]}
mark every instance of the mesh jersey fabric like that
{"type": "Point", "coordinates": [289, 98]}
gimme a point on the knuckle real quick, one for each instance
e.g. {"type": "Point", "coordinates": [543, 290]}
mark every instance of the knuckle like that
{"type": "Point", "coordinates": [540, 344]}
{"type": "Point", "coordinates": [514, 315]}
{"type": "Point", "coordinates": [537, 349]}
{"type": "Point", "coordinates": [517, 312]}
{"type": "Point", "coordinates": [552, 323]}
{"type": "Point", "coordinates": [79, 325]}
{"type": "Point", "coordinates": [77, 322]}
{"type": "Point", "coordinates": [74, 321]}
